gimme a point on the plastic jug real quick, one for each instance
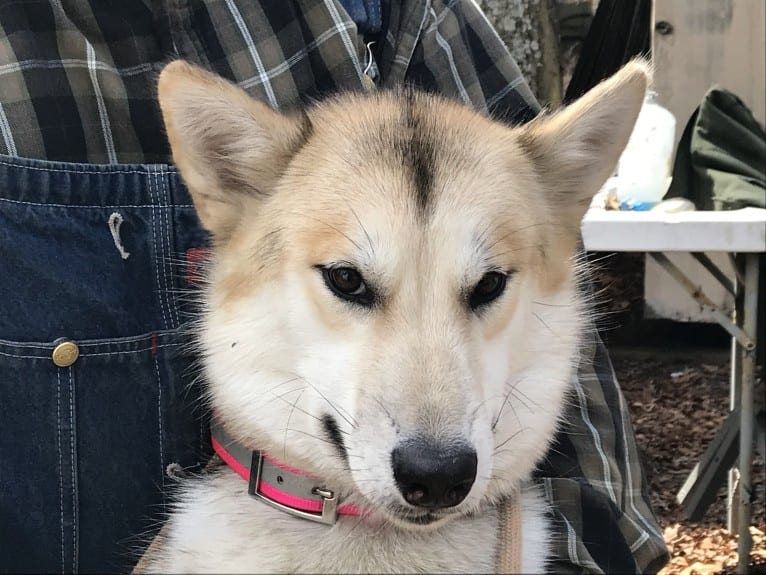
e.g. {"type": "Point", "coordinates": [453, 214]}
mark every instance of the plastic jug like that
{"type": "Point", "coordinates": [644, 169]}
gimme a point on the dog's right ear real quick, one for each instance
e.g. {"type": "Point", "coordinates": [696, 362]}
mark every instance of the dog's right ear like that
{"type": "Point", "coordinates": [228, 147]}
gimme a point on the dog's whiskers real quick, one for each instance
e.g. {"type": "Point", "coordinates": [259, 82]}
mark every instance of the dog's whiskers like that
{"type": "Point", "coordinates": [542, 321]}
{"type": "Point", "coordinates": [287, 425]}
{"type": "Point", "coordinates": [285, 393]}
{"type": "Point", "coordinates": [513, 435]}
{"type": "Point", "coordinates": [348, 418]}
{"type": "Point", "coordinates": [364, 230]}
{"type": "Point", "coordinates": [506, 401]}
{"type": "Point", "coordinates": [385, 410]}
{"type": "Point", "coordinates": [517, 249]}
{"type": "Point", "coordinates": [293, 404]}
{"type": "Point", "coordinates": [520, 400]}
{"type": "Point", "coordinates": [547, 304]}
{"type": "Point", "coordinates": [356, 245]}
{"type": "Point", "coordinates": [273, 387]}
{"type": "Point", "coordinates": [323, 440]}
{"type": "Point", "coordinates": [514, 232]}
{"type": "Point", "coordinates": [532, 401]}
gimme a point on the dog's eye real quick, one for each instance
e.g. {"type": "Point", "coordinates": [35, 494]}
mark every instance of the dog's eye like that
{"type": "Point", "coordinates": [347, 284]}
{"type": "Point", "coordinates": [490, 287]}
{"type": "Point", "coordinates": [346, 280]}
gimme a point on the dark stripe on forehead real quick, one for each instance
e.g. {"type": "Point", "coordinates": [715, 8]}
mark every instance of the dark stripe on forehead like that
{"type": "Point", "coordinates": [418, 150]}
{"type": "Point", "coordinates": [306, 132]}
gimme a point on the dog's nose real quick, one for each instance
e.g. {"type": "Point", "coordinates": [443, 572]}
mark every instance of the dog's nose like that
{"type": "Point", "coordinates": [433, 477]}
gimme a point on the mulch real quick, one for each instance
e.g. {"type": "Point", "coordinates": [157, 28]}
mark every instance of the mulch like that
{"type": "Point", "coordinates": [677, 391]}
{"type": "Point", "coordinates": [677, 403]}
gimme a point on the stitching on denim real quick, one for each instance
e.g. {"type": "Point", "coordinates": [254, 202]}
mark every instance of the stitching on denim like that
{"type": "Point", "coordinates": [110, 207]}
{"type": "Point", "coordinates": [165, 242]}
{"type": "Point", "coordinates": [134, 351]}
{"type": "Point", "coordinates": [159, 425]}
{"type": "Point", "coordinates": [61, 170]}
{"type": "Point", "coordinates": [75, 503]}
{"type": "Point", "coordinates": [148, 337]}
{"type": "Point", "coordinates": [162, 257]}
{"type": "Point", "coordinates": [167, 268]}
{"type": "Point", "coordinates": [25, 356]}
{"type": "Point", "coordinates": [45, 357]}
{"type": "Point", "coordinates": [110, 341]}
{"type": "Point", "coordinates": [156, 255]}
{"type": "Point", "coordinates": [61, 463]}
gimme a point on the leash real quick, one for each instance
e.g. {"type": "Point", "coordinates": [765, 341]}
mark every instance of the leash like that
{"type": "Point", "coordinates": [508, 559]}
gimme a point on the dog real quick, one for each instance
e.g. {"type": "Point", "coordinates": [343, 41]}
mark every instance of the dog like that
{"type": "Point", "coordinates": [391, 322]}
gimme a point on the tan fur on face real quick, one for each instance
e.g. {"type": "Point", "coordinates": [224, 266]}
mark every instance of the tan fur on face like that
{"type": "Point", "coordinates": [233, 151]}
{"type": "Point", "coordinates": [422, 197]}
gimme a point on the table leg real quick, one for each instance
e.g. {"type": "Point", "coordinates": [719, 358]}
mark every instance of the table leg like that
{"type": "Point", "coordinates": [735, 384]}
{"type": "Point", "coordinates": [747, 399]}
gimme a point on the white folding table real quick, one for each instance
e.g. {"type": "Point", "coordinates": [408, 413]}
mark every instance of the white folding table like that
{"type": "Point", "coordinates": [737, 232]}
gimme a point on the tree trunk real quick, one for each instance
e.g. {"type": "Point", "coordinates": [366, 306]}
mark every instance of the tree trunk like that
{"type": "Point", "coordinates": [530, 30]}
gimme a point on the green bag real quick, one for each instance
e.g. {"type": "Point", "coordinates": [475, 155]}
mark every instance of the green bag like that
{"type": "Point", "coordinates": [721, 158]}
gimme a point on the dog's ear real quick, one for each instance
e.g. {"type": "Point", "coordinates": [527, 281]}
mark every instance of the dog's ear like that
{"type": "Point", "coordinates": [576, 149]}
{"type": "Point", "coordinates": [228, 147]}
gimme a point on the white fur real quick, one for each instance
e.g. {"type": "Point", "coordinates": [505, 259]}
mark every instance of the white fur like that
{"type": "Point", "coordinates": [222, 530]}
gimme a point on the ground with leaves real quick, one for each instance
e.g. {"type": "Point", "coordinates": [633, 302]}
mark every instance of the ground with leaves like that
{"type": "Point", "coordinates": [677, 402]}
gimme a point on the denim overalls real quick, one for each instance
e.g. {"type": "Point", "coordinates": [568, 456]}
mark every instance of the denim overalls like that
{"type": "Point", "coordinates": [99, 394]}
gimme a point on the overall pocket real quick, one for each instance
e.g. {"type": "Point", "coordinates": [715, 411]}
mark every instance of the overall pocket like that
{"type": "Point", "coordinates": [97, 392]}
{"type": "Point", "coordinates": [85, 448]}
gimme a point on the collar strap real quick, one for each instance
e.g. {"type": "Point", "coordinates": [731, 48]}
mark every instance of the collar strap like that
{"type": "Point", "coordinates": [277, 484]}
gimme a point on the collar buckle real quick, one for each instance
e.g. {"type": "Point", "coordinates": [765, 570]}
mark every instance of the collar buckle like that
{"type": "Point", "coordinates": [329, 512]}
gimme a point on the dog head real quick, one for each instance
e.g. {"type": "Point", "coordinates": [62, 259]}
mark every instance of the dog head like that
{"type": "Point", "coordinates": [392, 301]}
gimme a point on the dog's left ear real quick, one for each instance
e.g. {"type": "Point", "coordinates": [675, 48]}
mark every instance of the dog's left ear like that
{"type": "Point", "coordinates": [575, 150]}
{"type": "Point", "coordinates": [229, 147]}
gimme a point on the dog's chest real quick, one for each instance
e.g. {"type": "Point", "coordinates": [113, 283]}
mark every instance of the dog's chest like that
{"type": "Point", "coordinates": [227, 531]}
{"type": "Point", "coordinates": [465, 546]}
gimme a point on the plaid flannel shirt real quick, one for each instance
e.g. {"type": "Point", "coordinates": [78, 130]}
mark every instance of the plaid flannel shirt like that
{"type": "Point", "coordinates": [78, 84]}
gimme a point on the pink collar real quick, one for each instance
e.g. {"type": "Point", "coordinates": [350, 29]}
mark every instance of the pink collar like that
{"type": "Point", "coordinates": [288, 489]}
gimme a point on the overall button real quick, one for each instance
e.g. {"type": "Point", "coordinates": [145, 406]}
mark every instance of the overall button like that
{"type": "Point", "coordinates": [65, 354]}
